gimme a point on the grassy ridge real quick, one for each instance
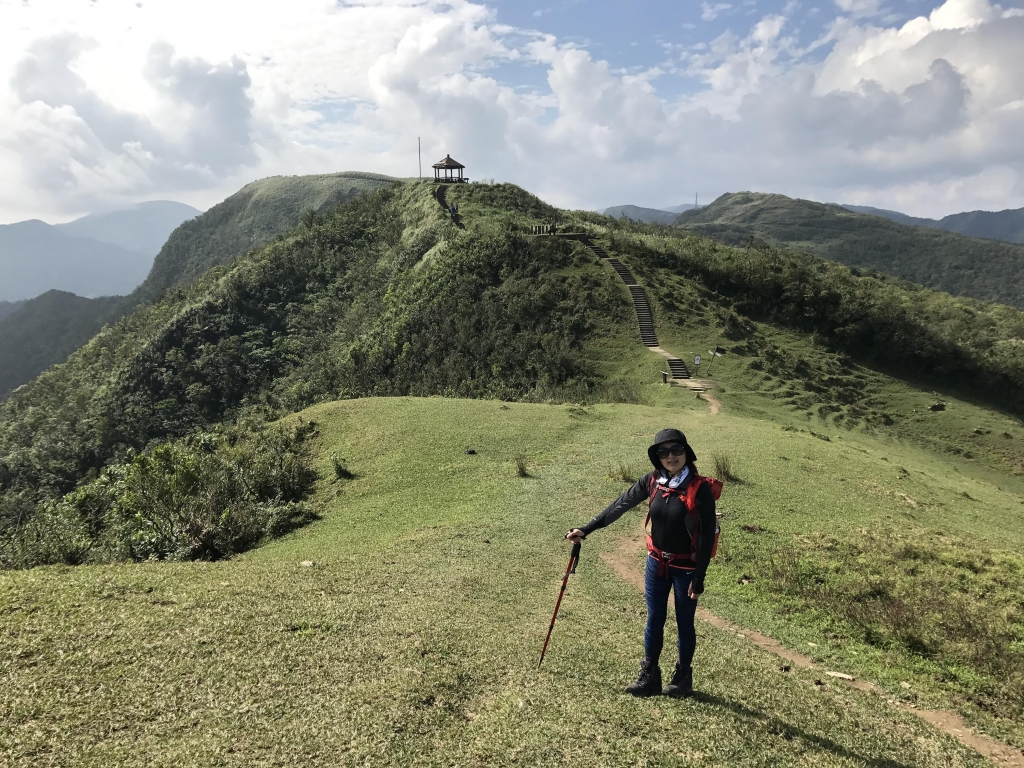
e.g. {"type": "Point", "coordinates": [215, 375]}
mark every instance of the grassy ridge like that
{"type": "Point", "coordinates": [254, 215]}
{"type": "Point", "coordinates": [945, 261]}
{"type": "Point", "coordinates": [413, 637]}
{"type": "Point", "coordinates": [378, 297]}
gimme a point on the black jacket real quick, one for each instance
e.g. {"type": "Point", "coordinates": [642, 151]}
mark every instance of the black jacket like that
{"type": "Point", "coordinates": [672, 528]}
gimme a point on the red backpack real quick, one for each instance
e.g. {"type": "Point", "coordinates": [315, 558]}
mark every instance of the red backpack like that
{"type": "Point", "coordinates": [689, 498]}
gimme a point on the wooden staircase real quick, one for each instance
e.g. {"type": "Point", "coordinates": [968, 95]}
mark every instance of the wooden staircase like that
{"type": "Point", "coordinates": [644, 315]}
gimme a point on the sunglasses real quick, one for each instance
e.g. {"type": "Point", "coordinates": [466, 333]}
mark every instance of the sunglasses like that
{"type": "Point", "coordinates": [678, 449]}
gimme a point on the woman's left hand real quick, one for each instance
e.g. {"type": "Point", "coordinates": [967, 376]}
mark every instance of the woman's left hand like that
{"type": "Point", "coordinates": [690, 594]}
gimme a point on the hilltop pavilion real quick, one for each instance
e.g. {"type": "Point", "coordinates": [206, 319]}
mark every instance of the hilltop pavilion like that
{"type": "Point", "coordinates": [444, 171]}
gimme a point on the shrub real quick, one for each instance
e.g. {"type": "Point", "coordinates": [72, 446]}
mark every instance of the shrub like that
{"type": "Point", "coordinates": [622, 473]}
{"type": "Point", "coordinates": [207, 496]}
{"type": "Point", "coordinates": [521, 470]}
{"type": "Point", "coordinates": [724, 467]}
{"type": "Point", "coordinates": [341, 470]}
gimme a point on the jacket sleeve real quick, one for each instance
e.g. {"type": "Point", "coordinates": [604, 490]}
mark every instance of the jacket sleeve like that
{"type": "Point", "coordinates": [706, 514]}
{"type": "Point", "coordinates": [636, 494]}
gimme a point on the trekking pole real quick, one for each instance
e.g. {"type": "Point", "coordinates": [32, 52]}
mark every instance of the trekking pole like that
{"type": "Point", "coordinates": [574, 560]}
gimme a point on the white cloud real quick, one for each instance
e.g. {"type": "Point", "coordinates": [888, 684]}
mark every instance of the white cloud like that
{"type": "Point", "coordinates": [112, 103]}
{"type": "Point", "coordinates": [859, 8]}
{"type": "Point", "coordinates": [710, 12]}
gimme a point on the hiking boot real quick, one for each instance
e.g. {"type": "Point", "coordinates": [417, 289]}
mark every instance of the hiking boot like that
{"type": "Point", "coordinates": [648, 682]}
{"type": "Point", "coordinates": [681, 684]}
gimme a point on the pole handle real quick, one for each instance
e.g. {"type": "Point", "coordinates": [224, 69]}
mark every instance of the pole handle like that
{"type": "Point", "coordinates": [575, 555]}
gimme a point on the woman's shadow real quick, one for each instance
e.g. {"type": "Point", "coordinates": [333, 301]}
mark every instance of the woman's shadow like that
{"type": "Point", "coordinates": [777, 726]}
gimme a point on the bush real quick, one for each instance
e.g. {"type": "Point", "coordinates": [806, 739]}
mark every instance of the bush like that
{"type": "Point", "coordinates": [622, 473]}
{"type": "Point", "coordinates": [724, 467]}
{"type": "Point", "coordinates": [521, 470]}
{"type": "Point", "coordinates": [207, 496]}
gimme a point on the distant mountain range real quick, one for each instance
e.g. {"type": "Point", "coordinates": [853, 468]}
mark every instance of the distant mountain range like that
{"type": "Point", "coordinates": [648, 215]}
{"type": "Point", "coordinates": [984, 269]}
{"type": "Point", "coordinates": [143, 227]}
{"type": "Point", "coordinates": [1005, 225]}
{"type": "Point", "coordinates": [97, 255]}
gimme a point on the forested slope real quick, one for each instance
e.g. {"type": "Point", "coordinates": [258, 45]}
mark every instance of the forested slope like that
{"type": "Point", "coordinates": [252, 216]}
{"type": "Point", "coordinates": [963, 266]}
{"type": "Point", "coordinates": [48, 329]}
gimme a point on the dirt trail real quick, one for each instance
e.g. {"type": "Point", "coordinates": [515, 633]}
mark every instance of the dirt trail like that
{"type": "Point", "coordinates": [713, 402]}
{"type": "Point", "coordinates": [622, 560]}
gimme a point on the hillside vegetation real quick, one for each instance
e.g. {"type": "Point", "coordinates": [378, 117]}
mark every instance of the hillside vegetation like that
{"type": "Point", "coordinates": [944, 261]}
{"type": "Point", "coordinates": [638, 213]}
{"type": "Point", "coordinates": [254, 215]}
{"type": "Point", "coordinates": [857, 519]}
{"type": "Point", "coordinates": [377, 297]}
{"type": "Point", "coordinates": [1005, 225]}
{"type": "Point", "coordinates": [49, 330]}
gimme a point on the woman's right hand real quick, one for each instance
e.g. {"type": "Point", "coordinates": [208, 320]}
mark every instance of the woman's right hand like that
{"type": "Point", "coordinates": [575, 535]}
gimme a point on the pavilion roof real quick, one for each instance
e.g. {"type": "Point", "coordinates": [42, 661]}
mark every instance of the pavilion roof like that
{"type": "Point", "coordinates": [448, 163]}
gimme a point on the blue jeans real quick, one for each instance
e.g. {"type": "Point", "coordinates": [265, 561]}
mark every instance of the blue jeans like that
{"type": "Point", "coordinates": [656, 589]}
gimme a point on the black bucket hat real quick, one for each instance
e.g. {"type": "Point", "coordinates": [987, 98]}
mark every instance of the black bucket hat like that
{"type": "Point", "coordinates": [670, 436]}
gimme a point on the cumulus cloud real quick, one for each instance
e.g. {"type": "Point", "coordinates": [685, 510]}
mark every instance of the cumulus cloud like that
{"type": "Point", "coordinates": [924, 116]}
{"type": "Point", "coordinates": [66, 141]}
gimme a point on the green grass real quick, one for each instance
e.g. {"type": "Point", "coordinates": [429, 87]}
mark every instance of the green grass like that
{"type": "Point", "coordinates": [405, 626]}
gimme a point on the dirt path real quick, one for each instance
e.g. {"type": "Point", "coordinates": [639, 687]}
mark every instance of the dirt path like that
{"type": "Point", "coordinates": [623, 561]}
{"type": "Point", "coordinates": [713, 402]}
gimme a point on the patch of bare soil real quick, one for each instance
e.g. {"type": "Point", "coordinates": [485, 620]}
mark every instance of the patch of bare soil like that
{"type": "Point", "coordinates": [713, 402]}
{"type": "Point", "coordinates": [623, 561]}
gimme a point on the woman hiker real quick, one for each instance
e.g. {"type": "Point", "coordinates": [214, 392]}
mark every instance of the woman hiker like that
{"type": "Point", "coordinates": [680, 543]}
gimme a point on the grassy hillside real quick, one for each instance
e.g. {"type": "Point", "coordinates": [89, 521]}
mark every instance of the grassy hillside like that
{"type": "Point", "coordinates": [50, 330]}
{"type": "Point", "coordinates": [252, 216]}
{"type": "Point", "coordinates": [379, 297]}
{"type": "Point", "coordinates": [899, 218]}
{"type": "Point", "coordinates": [877, 529]}
{"type": "Point", "coordinates": [405, 626]}
{"type": "Point", "coordinates": [944, 261]}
